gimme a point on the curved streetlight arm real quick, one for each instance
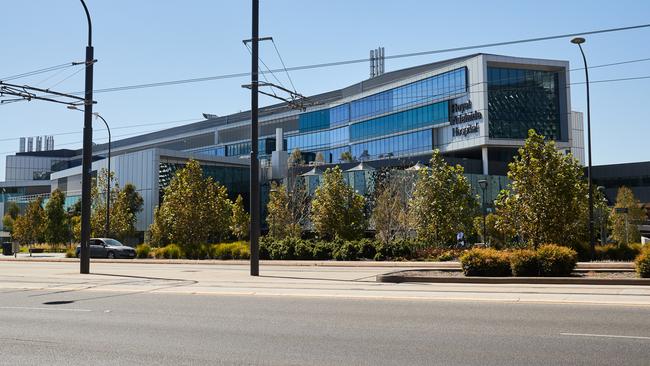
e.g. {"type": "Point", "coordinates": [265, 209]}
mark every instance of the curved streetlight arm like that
{"type": "Point", "coordinates": [90, 25]}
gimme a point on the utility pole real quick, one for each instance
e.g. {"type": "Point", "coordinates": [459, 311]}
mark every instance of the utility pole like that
{"type": "Point", "coordinates": [86, 166]}
{"type": "Point", "coordinates": [254, 163]}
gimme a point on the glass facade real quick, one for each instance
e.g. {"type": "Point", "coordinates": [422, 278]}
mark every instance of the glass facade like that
{"type": "Point", "coordinates": [409, 143]}
{"type": "Point", "coordinates": [401, 121]}
{"type": "Point", "coordinates": [317, 120]}
{"type": "Point", "coordinates": [265, 147]}
{"type": "Point", "coordinates": [520, 99]}
{"type": "Point", "coordinates": [424, 91]}
{"type": "Point", "coordinates": [235, 179]}
{"type": "Point", "coordinates": [316, 140]}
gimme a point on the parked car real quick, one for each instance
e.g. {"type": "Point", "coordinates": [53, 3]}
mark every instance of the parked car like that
{"type": "Point", "coordinates": [107, 248]}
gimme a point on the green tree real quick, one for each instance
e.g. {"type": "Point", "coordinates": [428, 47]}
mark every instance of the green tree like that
{"type": "Point", "coordinates": [337, 211]}
{"type": "Point", "coordinates": [279, 218]}
{"type": "Point", "coordinates": [295, 158]}
{"type": "Point", "coordinates": [12, 209]}
{"type": "Point", "coordinates": [30, 227]}
{"type": "Point", "coordinates": [625, 228]}
{"type": "Point", "coordinates": [346, 157]}
{"type": "Point", "coordinates": [442, 204]}
{"type": "Point", "coordinates": [320, 159]}
{"type": "Point", "coordinates": [194, 210]}
{"type": "Point", "coordinates": [8, 223]}
{"type": "Point", "coordinates": [11, 213]}
{"type": "Point", "coordinates": [240, 222]}
{"type": "Point", "coordinates": [125, 205]}
{"type": "Point", "coordinates": [546, 200]}
{"type": "Point", "coordinates": [390, 215]}
{"type": "Point", "coordinates": [495, 236]}
{"type": "Point", "coordinates": [56, 226]}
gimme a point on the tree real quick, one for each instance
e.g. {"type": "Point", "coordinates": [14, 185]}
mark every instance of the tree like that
{"type": "Point", "coordinates": [8, 223]}
{"type": "Point", "coordinates": [11, 213]}
{"type": "Point", "coordinates": [346, 157]}
{"type": "Point", "coordinates": [546, 199]}
{"type": "Point", "coordinates": [240, 222]}
{"type": "Point", "coordinates": [442, 204]}
{"type": "Point", "coordinates": [337, 211]}
{"type": "Point", "coordinates": [194, 210]}
{"type": "Point", "coordinates": [625, 228]}
{"type": "Point", "coordinates": [125, 205]}
{"type": "Point", "coordinates": [295, 158]}
{"type": "Point", "coordinates": [12, 209]}
{"type": "Point", "coordinates": [30, 227]}
{"type": "Point", "coordinates": [319, 159]}
{"type": "Point", "coordinates": [279, 219]}
{"type": "Point", "coordinates": [496, 237]}
{"type": "Point", "coordinates": [124, 210]}
{"type": "Point", "coordinates": [390, 212]}
{"type": "Point", "coordinates": [56, 226]}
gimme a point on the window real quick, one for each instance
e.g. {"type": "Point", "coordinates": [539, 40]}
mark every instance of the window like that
{"type": "Point", "coordinates": [519, 100]}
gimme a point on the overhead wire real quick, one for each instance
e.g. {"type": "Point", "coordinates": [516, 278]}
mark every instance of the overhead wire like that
{"type": "Point", "coordinates": [283, 65]}
{"type": "Point", "coordinates": [39, 71]}
{"type": "Point", "coordinates": [353, 61]}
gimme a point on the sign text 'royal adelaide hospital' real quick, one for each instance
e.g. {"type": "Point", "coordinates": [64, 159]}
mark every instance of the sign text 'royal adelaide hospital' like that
{"type": "Point", "coordinates": [462, 113]}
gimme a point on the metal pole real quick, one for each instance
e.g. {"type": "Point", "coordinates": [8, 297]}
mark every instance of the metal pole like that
{"type": "Point", "coordinates": [484, 219]}
{"type": "Point", "coordinates": [592, 244]}
{"type": "Point", "coordinates": [84, 261]}
{"type": "Point", "coordinates": [254, 175]}
{"type": "Point", "coordinates": [626, 237]}
{"type": "Point", "coordinates": [107, 227]}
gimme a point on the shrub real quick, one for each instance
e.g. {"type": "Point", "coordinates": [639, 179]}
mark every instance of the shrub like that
{"type": "Point", "coordinates": [556, 261]}
{"type": "Point", "coordinates": [485, 262]}
{"type": "Point", "coordinates": [446, 256]}
{"type": "Point", "coordinates": [303, 249]}
{"type": "Point", "coordinates": [615, 252]}
{"type": "Point", "coordinates": [171, 251]}
{"type": "Point", "coordinates": [345, 251]}
{"type": "Point", "coordinates": [322, 250]}
{"type": "Point", "coordinates": [642, 263]}
{"type": "Point", "coordinates": [366, 248]}
{"type": "Point", "coordinates": [524, 263]}
{"type": "Point", "coordinates": [236, 250]}
{"type": "Point", "coordinates": [397, 249]}
{"type": "Point", "coordinates": [70, 252]}
{"type": "Point", "coordinates": [142, 251]}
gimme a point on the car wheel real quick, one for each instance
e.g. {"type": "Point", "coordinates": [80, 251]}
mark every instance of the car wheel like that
{"type": "Point", "coordinates": [111, 255]}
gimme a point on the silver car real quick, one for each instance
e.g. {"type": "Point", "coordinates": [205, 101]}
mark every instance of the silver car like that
{"type": "Point", "coordinates": [108, 248]}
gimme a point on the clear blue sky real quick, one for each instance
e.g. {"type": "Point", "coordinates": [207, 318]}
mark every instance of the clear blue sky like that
{"type": "Point", "coordinates": [148, 41]}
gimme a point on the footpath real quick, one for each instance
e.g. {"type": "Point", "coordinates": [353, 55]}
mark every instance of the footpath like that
{"type": "Point", "coordinates": [351, 280]}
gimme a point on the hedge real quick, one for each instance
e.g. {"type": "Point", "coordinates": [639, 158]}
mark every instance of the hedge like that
{"type": "Point", "coordinates": [642, 263]}
{"type": "Point", "coordinates": [485, 262]}
{"type": "Point", "coordinates": [556, 261]}
{"type": "Point", "coordinates": [344, 250]}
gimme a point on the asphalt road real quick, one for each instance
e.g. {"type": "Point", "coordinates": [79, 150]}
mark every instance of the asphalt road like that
{"type": "Point", "coordinates": [115, 328]}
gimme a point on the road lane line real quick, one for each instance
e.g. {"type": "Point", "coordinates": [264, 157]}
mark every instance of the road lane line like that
{"type": "Point", "coordinates": [603, 335]}
{"type": "Point", "coordinates": [34, 308]}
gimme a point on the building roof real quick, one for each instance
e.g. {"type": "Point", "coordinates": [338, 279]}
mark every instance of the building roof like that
{"type": "Point", "coordinates": [318, 99]}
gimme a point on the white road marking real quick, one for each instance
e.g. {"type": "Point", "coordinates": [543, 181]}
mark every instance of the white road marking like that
{"type": "Point", "coordinates": [603, 335]}
{"type": "Point", "coordinates": [47, 309]}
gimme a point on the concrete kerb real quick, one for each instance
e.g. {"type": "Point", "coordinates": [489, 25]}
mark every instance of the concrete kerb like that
{"type": "Point", "coordinates": [442, 266]}
{"type": "Point", "coordinates": [403, 276]}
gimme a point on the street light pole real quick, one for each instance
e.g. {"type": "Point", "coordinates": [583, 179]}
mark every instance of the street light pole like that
{"type": "Point", "coordinates": [107, 227]}
{"type": "Point", "coordinates": [484, 183]}
{"type": "Point", "coordinates": [254, 163]}
{"type": "Point", "coordinates": [84, 255]}
{"type": "Point", "coordinates": [579, 41]}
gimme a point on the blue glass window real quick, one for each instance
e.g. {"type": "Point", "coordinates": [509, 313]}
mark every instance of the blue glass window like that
{"type": "Point", "coordinates": [316, 120]}
{"type": "Point", "coordinates": [402, 121]}
{"type": "Point", "coordinates": [410, 143]}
